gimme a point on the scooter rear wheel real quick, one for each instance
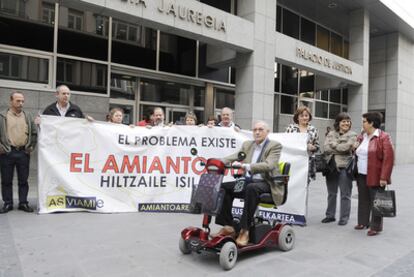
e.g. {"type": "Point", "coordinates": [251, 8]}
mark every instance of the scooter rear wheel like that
{"type": "Point", "coordinates": [228, 255]}
{"type": "Point", "coordinates": [286, 238]}
{"type": "Point", "coordinates": [183, 245]}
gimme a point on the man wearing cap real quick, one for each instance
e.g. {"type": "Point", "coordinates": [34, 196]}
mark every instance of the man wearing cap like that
{"type": "Point", "coordinates": [260, 165]}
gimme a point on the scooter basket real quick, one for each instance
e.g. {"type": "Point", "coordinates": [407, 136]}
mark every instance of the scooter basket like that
{"type": "Point", "coordinates": [208, 194]}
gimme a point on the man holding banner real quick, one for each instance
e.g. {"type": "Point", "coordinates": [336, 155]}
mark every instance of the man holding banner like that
{"type": "Point", "coordinates": [260, 165]}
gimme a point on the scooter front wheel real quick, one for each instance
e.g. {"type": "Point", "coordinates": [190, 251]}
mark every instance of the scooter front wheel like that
{"type": "Point", "coordinates": [183, 245]}
{"type": "Point", "coordinates": [228, 255]}
{"type": "Point", "coordinates": [286, 238]}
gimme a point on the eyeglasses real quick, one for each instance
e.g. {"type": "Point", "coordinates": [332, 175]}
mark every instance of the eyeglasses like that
{"type": "Point", "coordinates": [258, 130]}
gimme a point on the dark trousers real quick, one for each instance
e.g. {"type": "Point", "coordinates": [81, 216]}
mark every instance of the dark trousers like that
{"type": "Point", "coordinates": [342, 180]}
{"type": "Point", "coordinates": [365, 199]}
{"type": "Point", "coordinates": [251, 198]}
{"type": "Point", "coordinates": [21, 160]}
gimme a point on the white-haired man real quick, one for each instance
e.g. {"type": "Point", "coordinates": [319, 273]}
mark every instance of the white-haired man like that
{"type": "Point", "coordinates": [226, 117]}
{"type": "Point", "coordinates": [260, 165]}
{"type": "Point", "coordinates": [63, 106]}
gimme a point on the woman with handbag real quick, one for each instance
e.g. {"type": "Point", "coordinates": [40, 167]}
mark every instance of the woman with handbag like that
{"type": "Point", "coordinates": [375, 163]}
{"type": "Point", "coordinates": [338, 148]}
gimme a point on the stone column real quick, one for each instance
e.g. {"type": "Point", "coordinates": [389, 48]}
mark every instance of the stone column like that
{"type": "Point", "coordinates": [359, 53]}
{"type": "Point", "coordinates": [255, 70]}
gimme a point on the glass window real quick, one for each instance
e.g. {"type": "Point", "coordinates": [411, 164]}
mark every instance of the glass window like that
{"type": "Point", "coordinates": [13, 7]}
{"type": "Point", "coordinates": [224, 5]}
{"type": "Point", "coordinates": [48, 13]}
{"type": "Point", "coordinates": [307, 30]}
{"type": "Point", "coordinates": [165, 92]}
{"type": "Point", "coordinates": [322, 38]}
{"type": "Point", "coordinates": [321, 109]}
{"type": "Point", "coordinates": [224, 98]}
{"type": "Point", "coordinates": [306, 103]}
{"type": "Point", "coordinates": [322, 95]}
{"type": "Point", "coordinates": [21, 26]}
{"type": "Point", "coordinates": [290, 24]}
{"type": "Point", "coordinates": [334, 110]}
{"type": "Point", "coordinates": [307, 84]}
{"type": "Point", "coordinates": [199, 96]}
{"type": "Point", "coordinates": [335, 96]}
{"type": "Point", "coordinates": [177, 54]}
{"type": "Point", "coordinates": [79, 39]}
{"type": "Point", "coordinates": [206, 72]}
{"type": "Point", "coordinates": [23, 68]}
{"type": "Point", "coordinates": [345, 96]}
{"type": "Point", "coordinates": [123, 86]}
{"type": "Point", "coordinates": [232, 75]}
{"type": "Point", "coordinates": [75, 20]}
{"type": "Point", "coordinates": [277, 77]}
{"type": "Point", "coordinates": [287, 104]}
{"type": "Point", "coordinates": [279, 19]}
{"type": "Point", "coordinates": [133, 44]}
{"type": "Point", "coordinates": [346, 49]}
{"type": "Point", "coordinates": [336, 44]}
{"type": "Point", "coordinates": [200, 116]}
{"type": "Point", "coordinates": [289, 80]}
{"type": "Point", "coordinates": [81, 76]}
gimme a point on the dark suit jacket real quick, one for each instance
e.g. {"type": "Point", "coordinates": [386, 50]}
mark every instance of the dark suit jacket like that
{"type": "Point", "coordinates": [268, 166]}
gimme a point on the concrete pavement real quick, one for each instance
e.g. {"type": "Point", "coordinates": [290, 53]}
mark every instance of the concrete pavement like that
{"type": "Point", "coordinates": [146, 244]}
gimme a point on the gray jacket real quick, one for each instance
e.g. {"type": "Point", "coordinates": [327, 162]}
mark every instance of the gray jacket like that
{"type": "Point", "coordinates": [340, 146]}
{"type": "Point", "coordinates": [32, 132]}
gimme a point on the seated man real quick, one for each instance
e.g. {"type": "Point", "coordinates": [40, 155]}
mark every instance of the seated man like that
{"type": "Point", "coordinates": [260, 165]}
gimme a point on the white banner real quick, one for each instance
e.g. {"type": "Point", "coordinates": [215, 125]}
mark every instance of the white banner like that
{"type": "Point", "coordinates": [106, 168]}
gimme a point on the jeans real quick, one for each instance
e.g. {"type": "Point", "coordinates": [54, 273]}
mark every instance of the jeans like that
{"type": "Point", "coordinates": [20, 160]}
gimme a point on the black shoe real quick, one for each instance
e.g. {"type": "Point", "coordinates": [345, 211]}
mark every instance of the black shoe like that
{"type": "Point", "coordinates": [6, 208]}
{"type": "Point", "coordinates": [342, 222]}
{"type": "Point", "coordinates": [25, 207]}
{"type": "Point", "coordinates": [328, 219]}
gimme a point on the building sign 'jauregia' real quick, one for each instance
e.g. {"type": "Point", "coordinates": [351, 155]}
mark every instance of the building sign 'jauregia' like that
{"type": "Point", "coordinates": [325, 61]}
{"type": "Point", "coordinates": [184, 13]}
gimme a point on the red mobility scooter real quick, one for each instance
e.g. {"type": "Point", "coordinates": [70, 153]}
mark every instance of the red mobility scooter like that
{"type": "Point", "coordinates": [208, 196]}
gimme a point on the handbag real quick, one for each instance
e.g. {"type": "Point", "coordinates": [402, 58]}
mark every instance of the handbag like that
{"type": "Point", "coordinates": [352, 167]}
{"type": "Point", "coordinates": [384, 203]}
{"type": "Point", "coordinates": [320, 162]}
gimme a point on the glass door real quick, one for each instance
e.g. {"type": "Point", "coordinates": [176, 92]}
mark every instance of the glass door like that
{"type": "Point", "coordinates": [176, 115]}
{"type": "Point", "coordinates": [124, 94]}
{"type": "Point", "coordinates": [127, 106]}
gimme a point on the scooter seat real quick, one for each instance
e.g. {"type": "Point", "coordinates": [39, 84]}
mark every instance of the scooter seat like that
{"type": "Point", "coordinates": [266, 198]}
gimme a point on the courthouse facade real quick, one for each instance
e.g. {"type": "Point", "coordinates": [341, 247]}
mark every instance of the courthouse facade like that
{"type": "Point", "coordinates": [261, 57]}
